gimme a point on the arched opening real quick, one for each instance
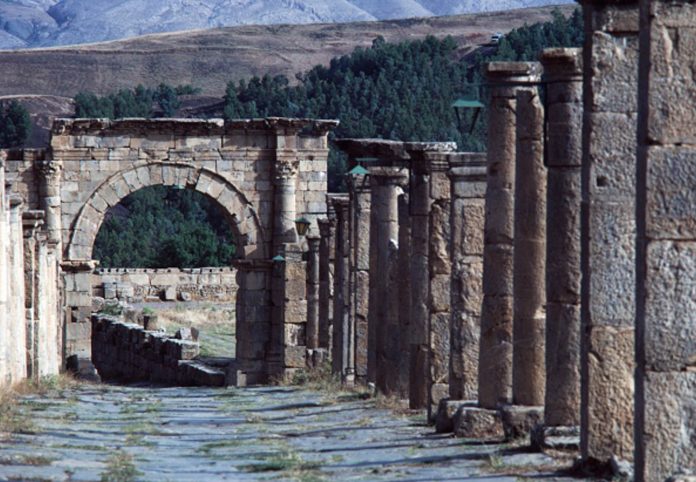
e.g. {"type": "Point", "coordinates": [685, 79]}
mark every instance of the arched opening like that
{"type": "Point", "coordinates": [165, 255]}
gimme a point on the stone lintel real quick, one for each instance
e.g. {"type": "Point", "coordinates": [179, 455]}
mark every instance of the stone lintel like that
{"type": "Point", "coordinates": [390, 152]}
{"type": "Point", "coordinates": [339, 202]}
{"type": "Point", "coordinates": [562, 64]}
{"type": "Point", "coordinates": [468, 173]}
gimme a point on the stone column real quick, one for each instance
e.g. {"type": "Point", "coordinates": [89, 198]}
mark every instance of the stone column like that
{"type": "Point", "coordinates": [313, 292]}
{"type": "Point", "coordinates": [16, 334]}
{"type": "Point", "coordinates": [403, 292]}
{"type": "Point", "coordinates": [608, 230]}
{"type": "Point", "coordinates": [529, 260]}
{"type": "Point", "coordinates": [495, 355]}
{"type": "Point", "coordinates": [327, 250]}
{"type": "Point", "coordinates": [342, 358]}
{"type": "Point", "coordinates": [285, 180]}
{"type": "Point", "coordinates": [563, 77]}
{"type": "Point", "coordinates": [359, 186]}
{"type": "Point", "coordinates": [666, 251]}
{"type": "Point", "coordinates": [384, 316]}
{"type": "Point", "coordinates": [419, 195]}
{"type": "Point", "coordinates": [468, 178]}
{"type": "Point", "coordinates": [50, 194]}
{"type": "Point", "coordinates": [31, 221]}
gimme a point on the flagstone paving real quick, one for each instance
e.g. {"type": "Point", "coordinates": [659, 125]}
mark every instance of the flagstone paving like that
{"type": "Point", "coordinates": [102, 432]}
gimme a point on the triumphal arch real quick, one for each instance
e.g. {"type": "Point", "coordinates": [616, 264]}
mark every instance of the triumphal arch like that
{"type": "Point", "coordinates": [263, 173]}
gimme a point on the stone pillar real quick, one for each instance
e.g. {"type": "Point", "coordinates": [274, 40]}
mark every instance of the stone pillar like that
{"type": "Point", "coordinates": [608, 229]}
{"type": "Point", "coordinates": [327, 250]}
{"type": "Point", "coordinates": [285, 181]}
{"type": "Point", "coordinates": [16, 333]}
{"type": "Point", "coordinates": [359, 186]}
{"type": "Point", "coordinates": [563, 77]}
{"type": "Point", "coordinates": [342, 358]}
{"type": "Point", "coordinates": [313, 292]}
{"type": "Point", "coordinates": [50, 175]}
{"type": "Point", "coordinates": [403, 292]}
{"type": "Point", "coordinates": [495, 355]}
{"type": "Point", "coordinates": [384, 238]}
{"type": "Point", "coordinates": [289, 318]}
{"type": "Point", "coordinates": [666, 250]}
{"type": "Point", "coordinates": [468, 178]}
{"type": "Point", "coordinates": [419, 195]}
{"type": "Point", "coordinates": [31, 221]}
{"type": "Point", "coordinates": [529, 260]}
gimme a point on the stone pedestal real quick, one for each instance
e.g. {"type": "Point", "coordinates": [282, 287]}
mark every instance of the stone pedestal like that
{"type": "Point", "coordinates": [608, 229]}
{"type": "Point", "coordinates": [468, 187]}
{"type": "Point", "coordinates": [495, 366]}
{"type": "Point", "coordinates": [563, 74]}
{"type": "Point", "coordinates": [666, 251]}
{"type": "Point", "coordinates": [529, 265]}
{"type": "Point", "coordinates": [384, 310]}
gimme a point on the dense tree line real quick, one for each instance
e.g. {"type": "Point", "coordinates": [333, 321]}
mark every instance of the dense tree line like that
{"type": "Point", "coordinates": [15, 125]}
{"type": "Point", "coordinates": [161, 227]}
{"type": "Point", "coordinates": [401, 91]}
{"type": "Point", "coordinates": [138, 102]}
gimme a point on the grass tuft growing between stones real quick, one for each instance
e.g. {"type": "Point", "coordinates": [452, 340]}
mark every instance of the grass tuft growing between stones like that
{"type": "Point", "coordinates": [26, 459]}
{"type": "Point", "coordinates": [290, 463]}
{"type": "Point", "coordinates": [120, 468]}
{"type": "Point", "coordinates": [12, 419]}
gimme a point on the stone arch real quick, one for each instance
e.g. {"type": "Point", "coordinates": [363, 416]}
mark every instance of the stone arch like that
{"type": "Point", "coordinates": [244, 221]}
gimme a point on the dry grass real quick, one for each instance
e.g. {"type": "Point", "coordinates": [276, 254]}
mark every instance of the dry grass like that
{"type": "Point", "coordinates": [216, 324]}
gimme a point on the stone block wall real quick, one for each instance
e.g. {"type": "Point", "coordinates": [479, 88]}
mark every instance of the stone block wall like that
{"type": "Point", "coordinates": [126, 352]}
{"type": "Point", "coordinates": [170, 284]}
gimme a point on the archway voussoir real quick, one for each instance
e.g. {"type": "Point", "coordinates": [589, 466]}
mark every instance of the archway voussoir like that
{"type": "Point", "coordinates": [143, 174]}
{"type": "Point", "coordinates": [168, 174]}
{"type": "Point", "coordinates": [155, 173]}
{"type": "Point", "coordinates": [131, 178]}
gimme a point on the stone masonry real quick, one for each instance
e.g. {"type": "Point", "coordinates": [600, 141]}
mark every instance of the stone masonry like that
{"type": "Point", "coordinates": [665, 400]}
{"type": "Point", "coordinates": [608, 229]}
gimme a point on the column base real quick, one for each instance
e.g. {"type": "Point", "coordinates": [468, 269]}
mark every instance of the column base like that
{"type": "Point", "coordinates": [518, 420]}
{"type": "Point", "coordinates": [471, 421]}
{"type": "Point", "coordinates": [446, 410]}
{"type": "Point", "coordinates": [555, 438]}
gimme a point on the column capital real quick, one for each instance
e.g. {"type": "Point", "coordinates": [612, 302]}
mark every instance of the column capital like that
{"type": "Point", "coordinates": [359, 183]}
{"type": "Point", "coordinates": [505, 78]}
{"type": "Point", "coordinates": [16, 201]}
{"type": "Point", "coordinates": [50, 169]}
{"type": "Point", "coordinates": [31, 221]}
{"type": "Point", "coordinates": [562, 64]}
{"type": "Point", "coordinates": [383, 176]}
{"type": "Point", "coordinates": [285, 169]}
{"type": "Point", "coordinates": [313, 243]}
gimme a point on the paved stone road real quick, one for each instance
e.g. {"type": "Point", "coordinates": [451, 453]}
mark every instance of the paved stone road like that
{"type": "Point", "coordinates": [194, 434]}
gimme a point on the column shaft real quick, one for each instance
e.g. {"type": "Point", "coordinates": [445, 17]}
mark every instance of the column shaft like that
{"type": "Point", "coordinates": [563, 74]}
{"type": "Point", "coordinates": [327, 250]}
{"type": "Point", "coordinates": [529, 265]}
{"type": "Point", "coordinates": [403, 293]}
{"type": "Point", "coordinates": [342, 332]}
{"type": "Point", "coordinates": [313, 292]}
{"type": "Point", "coordinates": [495, 355]}
{"type": "Point", "coordinates": [360, 212]}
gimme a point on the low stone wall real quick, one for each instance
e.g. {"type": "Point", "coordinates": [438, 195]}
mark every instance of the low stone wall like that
{"type": "Point", "coordinates": [126, 352]}
{"type": "Point", "coordinates": [170, 284]}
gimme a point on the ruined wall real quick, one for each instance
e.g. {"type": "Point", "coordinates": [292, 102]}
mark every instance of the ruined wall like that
{"type": "Point", "coordinates": [171, 284]}
{"type": "Point", "coordinates": [125, 352]}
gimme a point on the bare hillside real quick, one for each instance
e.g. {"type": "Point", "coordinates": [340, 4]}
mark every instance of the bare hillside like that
{"type": "Point", "coordinates": [211, 58]}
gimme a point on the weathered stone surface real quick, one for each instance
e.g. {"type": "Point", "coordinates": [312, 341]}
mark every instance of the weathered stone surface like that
{"type": "Point", "coordinates": [519, 421]}
{"type": "Point", "coordinates": [479, 423]}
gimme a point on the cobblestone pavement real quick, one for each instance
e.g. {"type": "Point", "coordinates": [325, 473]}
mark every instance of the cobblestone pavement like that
{"type": "Point", "coordinates": [95, 432]}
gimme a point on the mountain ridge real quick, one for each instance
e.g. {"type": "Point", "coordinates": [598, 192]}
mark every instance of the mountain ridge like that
{"type": "Point", "coordinates": [47, 23]}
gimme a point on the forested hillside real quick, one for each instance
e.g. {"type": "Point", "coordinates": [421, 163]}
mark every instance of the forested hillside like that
{"type": "Point", "coordinates": [401, 91]}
